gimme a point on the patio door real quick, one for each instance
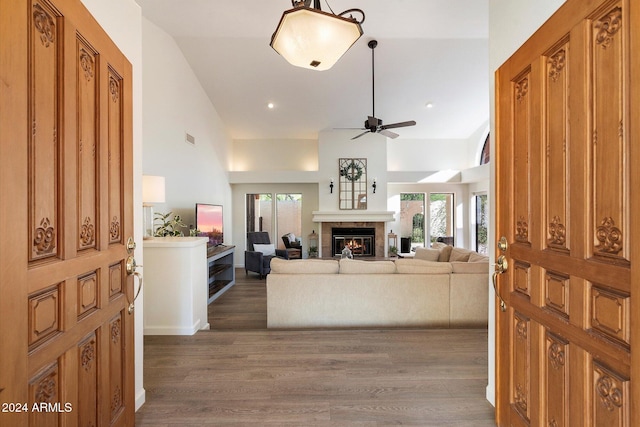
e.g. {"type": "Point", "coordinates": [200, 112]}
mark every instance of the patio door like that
{"type": "Point", "coordinates": [66, 324]}
{"type": "Point", "coordinates": [568, 342]}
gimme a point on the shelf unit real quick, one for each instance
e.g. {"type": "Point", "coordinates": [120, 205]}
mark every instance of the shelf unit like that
{"type": "Point", "coordinates": [221, 271]}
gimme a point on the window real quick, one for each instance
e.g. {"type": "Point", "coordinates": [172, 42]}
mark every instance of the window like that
{"type": "Point", "coordinates": [482, 220]}
{"type": "Point", "coordinates": [441, 221]}
{"type": "Point", "coordinates": [279, 219]}
{"type": "Point", "coordinates": [288, 217]}
{"type": "Point", "coordinates": [260, 213]}
{"type": "Point", "coordinates": [412, 224]}
{"type": "Point", "coordinates": [485, 156]}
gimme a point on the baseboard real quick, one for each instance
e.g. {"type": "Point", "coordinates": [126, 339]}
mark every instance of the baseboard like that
{"type": "Point", "coordinates": [172, 330]}
{"type": "Point", "coordinates": [141, 397]}
{"type": "Point", "coordinates": [491, 395]}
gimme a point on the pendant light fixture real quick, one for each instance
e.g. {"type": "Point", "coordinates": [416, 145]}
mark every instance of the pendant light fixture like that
{"type": "Point", "coordinates": [309, 38]}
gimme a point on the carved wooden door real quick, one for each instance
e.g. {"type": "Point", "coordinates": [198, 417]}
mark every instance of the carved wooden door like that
{"type": "Point", "coordinates": [65, 217]}
{"type": "Point", "coordinates": [567, 203]}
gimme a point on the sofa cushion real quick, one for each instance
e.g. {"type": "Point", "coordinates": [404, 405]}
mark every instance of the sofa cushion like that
{"type": "Point", "coordinates": [438, 245]}
{"type": "Point", "coordinates": [266, 249]}
{"type": "Point", "coordinates": [459, 254]}
{"type": "Point", "coordinates": [469, 267]}
{"type": "Point", "coordinates": [421, 266]}
{"type": "Point", "coordinates": [445, 252]}
{"type": "Point", "coordinates": [304, 266]}
{"type": "Point", "coordinates": [352, 266]}
{"type": "Point", "coordinates": [476, 257]}
{"type": "Point", "coordinates": [427, 254]}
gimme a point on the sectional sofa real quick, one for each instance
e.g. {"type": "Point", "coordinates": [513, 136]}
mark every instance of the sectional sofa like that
{"type": "Point", "coordinates": [438, 288]}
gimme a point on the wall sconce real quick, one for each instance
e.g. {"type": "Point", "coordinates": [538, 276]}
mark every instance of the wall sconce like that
{"type": "Point", "coordinates": [374, 185]}
{"type": "Point", "coordinates": [331, 185]}
{"type": "Point", "coordinates": [152, 192]}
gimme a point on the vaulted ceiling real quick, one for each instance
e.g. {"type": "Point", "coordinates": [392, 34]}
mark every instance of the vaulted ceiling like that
{"type": "Point", "coordinates": [429, 51]}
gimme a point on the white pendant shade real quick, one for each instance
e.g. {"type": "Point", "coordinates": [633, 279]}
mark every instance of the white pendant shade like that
{"type": "Point", "coordinates": [311, 38]}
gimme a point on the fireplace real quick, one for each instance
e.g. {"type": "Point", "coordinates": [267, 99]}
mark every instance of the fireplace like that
{"type": "Point", "coordinates": [361, 240]}
{"type": "Point", "coordinates": [368, 234]}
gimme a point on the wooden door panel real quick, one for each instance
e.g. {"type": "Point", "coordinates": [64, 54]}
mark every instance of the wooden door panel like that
{"type": "Point", "coordinates": [87, 144]}
{"type": "Point", "coordinates": [556, 189]}
{"type": "Point", "coordinates": [65, 315]}
{"type": "Point", "coordinates": [608, 174]}
{"type": "Point", "coordinates": [115, 154]}
{"type": "Point", "coordinates": [522, 133]}
{"type": "Point", "coordinates": [44, 120]}
{"type": "Point", "coordinates": [556, 380]}
{"type": "Point", "coordinates": [563, 187]}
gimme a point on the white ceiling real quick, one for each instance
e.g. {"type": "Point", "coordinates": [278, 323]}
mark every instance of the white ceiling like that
{"type": "Point", "coordinates": [428, 51]}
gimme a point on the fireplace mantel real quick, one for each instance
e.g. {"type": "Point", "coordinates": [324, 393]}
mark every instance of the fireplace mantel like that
{"type": "Point", "coordinates": [353, 216]}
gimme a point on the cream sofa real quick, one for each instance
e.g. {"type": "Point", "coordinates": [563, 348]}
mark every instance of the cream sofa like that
{"type": "Point", "coordinates": [407, 292]}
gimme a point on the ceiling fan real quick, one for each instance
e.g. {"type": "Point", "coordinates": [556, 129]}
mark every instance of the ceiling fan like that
{"type": "Point", "coordinates": [374, 124]}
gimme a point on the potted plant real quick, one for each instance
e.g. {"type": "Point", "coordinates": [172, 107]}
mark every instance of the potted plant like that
{"type": "Point", "coordinates": [168, 226]}
{"type": "Point", "coordinates": [313, 251]}
{"type": "Point", "coordinates": [393, 251]}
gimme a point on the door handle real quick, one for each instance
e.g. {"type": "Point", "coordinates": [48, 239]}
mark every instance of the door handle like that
{"type": "Point", "coordinates": [500, 267]}
{"type": "Point", "coordinates": [130, 267]}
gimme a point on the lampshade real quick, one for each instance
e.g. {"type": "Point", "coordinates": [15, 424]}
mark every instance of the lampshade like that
{"type": "Point", "coordinates": [313, 39]}
{"type": "Point", "coordinates": [152, 189]}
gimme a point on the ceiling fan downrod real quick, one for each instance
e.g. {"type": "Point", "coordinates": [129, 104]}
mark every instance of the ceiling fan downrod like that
{"type": "Point", "coordinates": [372, 44]}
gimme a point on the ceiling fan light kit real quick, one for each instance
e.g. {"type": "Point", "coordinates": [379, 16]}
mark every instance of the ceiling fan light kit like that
{"type": "Point", "coordinates": [310, 38]}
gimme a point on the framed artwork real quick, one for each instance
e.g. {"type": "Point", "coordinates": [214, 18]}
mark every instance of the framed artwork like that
{"type": "Point", "coordinates": [353, 183]}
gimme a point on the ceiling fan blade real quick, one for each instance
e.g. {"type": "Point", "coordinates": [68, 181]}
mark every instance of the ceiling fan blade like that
{"type": "Point", "coordinates": [398, 125]}
{"type": "Point", "coordinates": [358, 136]}
{"type": "Point", "coordinates": [388, 133]}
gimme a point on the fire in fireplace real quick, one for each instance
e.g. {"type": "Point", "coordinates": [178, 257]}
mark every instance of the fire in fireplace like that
{"type": "Point", "coordinates": [361, 241]}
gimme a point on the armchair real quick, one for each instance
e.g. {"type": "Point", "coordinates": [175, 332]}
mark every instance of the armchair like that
{"type": "Point", "coordinates": [292, 245]}
{"type": "Point", "coordinates": [257, 261]}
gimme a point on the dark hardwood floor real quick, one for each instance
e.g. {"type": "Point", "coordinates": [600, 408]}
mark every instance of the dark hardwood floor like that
{"type": "Point", "coordinates": [241, 374]}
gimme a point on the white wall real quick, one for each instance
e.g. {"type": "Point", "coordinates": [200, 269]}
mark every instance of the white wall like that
{"type": "Point", "coordinates": [333, 145]}
{"type": "Point", "coordinates": [511, 23]}
{"type": "Point", "coordinates": [261, 155]}
{"type": "Point", "coordinates": [175, 104]}
{"type": "Point", "coordinates": [121, 19]}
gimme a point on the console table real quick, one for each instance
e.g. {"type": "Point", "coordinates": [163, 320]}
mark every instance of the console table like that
{"type": "Point", "coordinates": [175, 291]}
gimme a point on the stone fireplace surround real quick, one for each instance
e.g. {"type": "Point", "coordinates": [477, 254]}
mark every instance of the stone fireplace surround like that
{"type": "Point", "coordinates": [327, 240]}
{"type": "Point", "coordinates": [353, 219]}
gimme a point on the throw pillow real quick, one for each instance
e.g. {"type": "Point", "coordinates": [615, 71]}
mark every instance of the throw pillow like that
{"type": "Point", "coordinates": [427, 254]}
{"type": "Point", "coordinates": [476, 257]}
{"type": "Point", "coordinates": [445, 253]}
{"type": "Point", "coordinates": [267, 250]}
{"type": "Point", "coordinates": [459, 254]}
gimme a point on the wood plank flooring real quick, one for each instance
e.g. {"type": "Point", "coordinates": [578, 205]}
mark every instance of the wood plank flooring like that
{"type": "Point", "coordinates": [243, 306]}
{"type": "Point", "coordinates": [259, 377]}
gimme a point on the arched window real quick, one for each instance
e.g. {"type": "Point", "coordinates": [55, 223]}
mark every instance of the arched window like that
{"type": "Point", "coordinates": [485, 156]}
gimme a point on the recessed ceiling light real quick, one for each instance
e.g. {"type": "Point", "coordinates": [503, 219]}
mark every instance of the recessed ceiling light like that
{"type": "Point", "coordinates": [270, 105]}
{"type": "Point", "coordinates": [429, 105]}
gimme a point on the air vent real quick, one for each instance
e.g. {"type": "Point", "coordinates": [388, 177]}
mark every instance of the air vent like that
{"type": "Point", "coordinates": [190, 139]}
